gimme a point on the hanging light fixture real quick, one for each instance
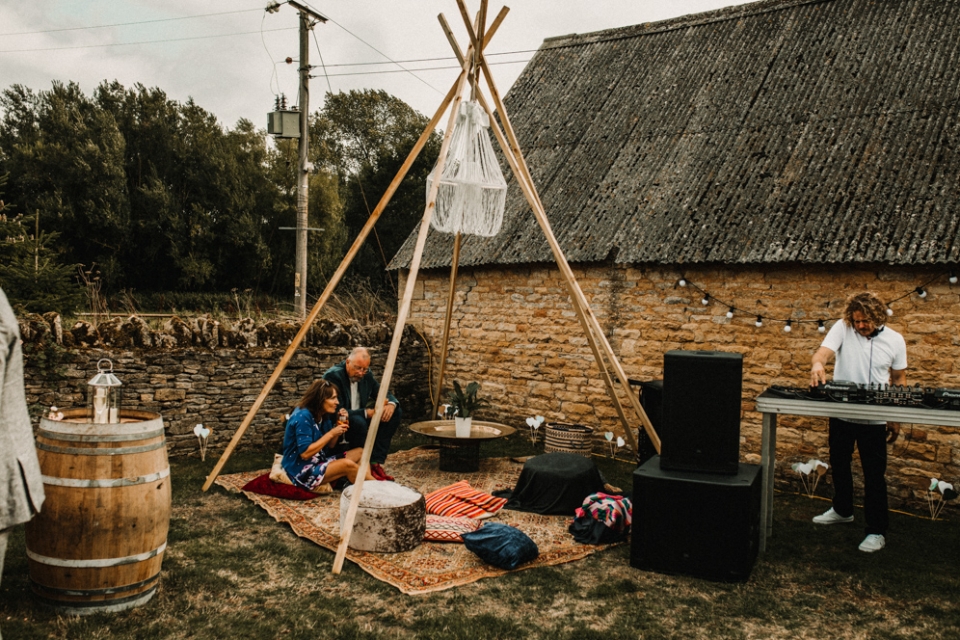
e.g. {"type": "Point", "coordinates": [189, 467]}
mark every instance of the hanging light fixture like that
{"type": "Point", "coordinates": [788, 327]}
{"type": "Point", "coordinates": [820, 327]}
{"type": "Point", "coordinates": [730, 313]}
{"type": "Point", "coordinates": [473, 192]}
{"type": "Point", "coordinates": [759, 322]}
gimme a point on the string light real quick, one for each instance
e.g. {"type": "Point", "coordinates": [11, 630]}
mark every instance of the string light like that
{"type": "Point", "coordinates": [707, 299]}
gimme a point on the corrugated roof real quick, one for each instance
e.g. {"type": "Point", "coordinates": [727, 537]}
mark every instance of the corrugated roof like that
{"type": "Point", "coordinates": [803, 131]}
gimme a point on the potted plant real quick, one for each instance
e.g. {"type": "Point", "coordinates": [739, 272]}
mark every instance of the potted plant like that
{"type": "Point", "coordinates": [464, 403]}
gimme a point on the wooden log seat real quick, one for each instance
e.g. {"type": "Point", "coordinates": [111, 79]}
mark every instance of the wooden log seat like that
{"type": "Point", "coordinates": [391, 517]}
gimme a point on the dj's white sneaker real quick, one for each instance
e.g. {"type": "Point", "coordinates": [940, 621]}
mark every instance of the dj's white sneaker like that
{"type": "Point", "coordinates": [831, 517]}
{"type": "Point", "coordinates": [873, 542]}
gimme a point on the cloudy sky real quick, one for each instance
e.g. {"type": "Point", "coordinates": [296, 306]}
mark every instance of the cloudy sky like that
{"type": "Point", "coordinates": [228, 55]}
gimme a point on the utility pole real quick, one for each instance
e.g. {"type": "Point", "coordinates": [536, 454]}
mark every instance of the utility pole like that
{"type": "Point", "coordinates": [308, 18]}
{"type": "Point", "coordinates": [303, 175]}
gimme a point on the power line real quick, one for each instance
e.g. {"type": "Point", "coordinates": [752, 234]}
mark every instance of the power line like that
{"type": "Point", "coordinates": [124, 44]}
{"type": "Point", "coordinates": [440, 59]}
{"type": "Point", "coordinates": [372, 73]}
{"type": "Point", "coordinates": [127, 24]}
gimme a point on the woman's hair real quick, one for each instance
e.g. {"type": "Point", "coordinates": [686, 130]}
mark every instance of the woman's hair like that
{"type": "Point", "coordinates": [320, 391]}
{"type": "Point", "coordinates": [867, 304]}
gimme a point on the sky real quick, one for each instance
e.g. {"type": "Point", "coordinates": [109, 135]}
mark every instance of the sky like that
{"type": "Point", "coordinates": [229, 55]}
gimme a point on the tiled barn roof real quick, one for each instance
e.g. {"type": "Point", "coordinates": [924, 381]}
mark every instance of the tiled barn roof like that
{"type": "Point", "coordinates": [783, 131]}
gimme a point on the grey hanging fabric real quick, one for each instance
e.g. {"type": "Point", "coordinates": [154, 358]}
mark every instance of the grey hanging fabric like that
{"type": "Point", "coordinates": [473, 191]}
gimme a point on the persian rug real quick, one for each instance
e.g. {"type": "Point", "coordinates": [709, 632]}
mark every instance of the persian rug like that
{"type": "Point", "coordinates": [432, 566]}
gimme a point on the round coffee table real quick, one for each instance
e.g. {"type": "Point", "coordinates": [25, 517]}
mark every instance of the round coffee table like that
{"type": "Point", "coordinates": [460, 454]}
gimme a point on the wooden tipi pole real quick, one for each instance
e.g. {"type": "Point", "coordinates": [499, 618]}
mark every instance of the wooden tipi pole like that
{"type": "Point", "coordinates": [451, 295]}
{"type": "Point", "coordinates": [331, 285]}
{"type": "Point", "coordinates": [346, 526]}
{"type": "Point", "coordinates": [518, 165]}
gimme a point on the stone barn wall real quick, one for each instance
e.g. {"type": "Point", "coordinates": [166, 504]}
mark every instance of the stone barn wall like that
{"type": "Point", "coordinates": [189, 381]}
{"type": "Point", "coordinates": [515, 331]}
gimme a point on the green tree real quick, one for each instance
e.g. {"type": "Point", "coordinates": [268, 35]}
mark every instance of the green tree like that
{"type": "Point", "coordinates": [65, 159]}
{"type": "Point", "coordinates": [364, 136]}
{"type": "Point", "coordinates": [30, 273]}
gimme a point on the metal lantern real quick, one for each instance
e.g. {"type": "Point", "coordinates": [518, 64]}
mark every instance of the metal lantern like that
{"type": "Point", "coordinates": [104, 395]}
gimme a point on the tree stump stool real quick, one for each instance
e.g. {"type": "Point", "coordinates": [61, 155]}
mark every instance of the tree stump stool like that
{"type": "Point", "coordinates": [390, 517]}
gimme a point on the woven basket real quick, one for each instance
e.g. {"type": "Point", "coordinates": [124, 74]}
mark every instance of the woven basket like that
{"type": "Point", "coordinates": [561, 437]}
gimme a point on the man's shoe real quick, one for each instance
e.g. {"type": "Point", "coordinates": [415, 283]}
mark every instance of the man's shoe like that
{"type": "Point", "coordinates": [831, 517]}
{"type": "Point", "coordinates": [873, 542]}
{"type": "Point", "coordinates": [376, 469]}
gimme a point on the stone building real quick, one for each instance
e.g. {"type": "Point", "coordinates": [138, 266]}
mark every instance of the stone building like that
{"type": "Point", "coordinates": [778, 156]}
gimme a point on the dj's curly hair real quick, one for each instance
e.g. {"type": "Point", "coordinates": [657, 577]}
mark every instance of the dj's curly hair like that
{"type": "Point", "coordinates": [869, 305]}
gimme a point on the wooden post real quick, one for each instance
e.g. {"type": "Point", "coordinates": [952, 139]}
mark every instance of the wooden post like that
{"type": "Point", "coordinates": [446, 322]}
{"type": "Point", "coordinates": [520, 169]}
{"type": "Point", "coordinates": [331, 285]}
{"type": "Point", "coordinates": [346, 527]}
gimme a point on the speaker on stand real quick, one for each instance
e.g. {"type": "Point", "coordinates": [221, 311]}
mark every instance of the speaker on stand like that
{"type": "Point", "coordinates": [701, 411]}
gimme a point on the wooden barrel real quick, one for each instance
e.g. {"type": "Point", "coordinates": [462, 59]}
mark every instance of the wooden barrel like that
{"type": "Point", "coordinates": [98, 542]}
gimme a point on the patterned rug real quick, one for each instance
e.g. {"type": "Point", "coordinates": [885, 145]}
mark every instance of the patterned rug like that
{"type": "Point", "coordinates": [433, 566]}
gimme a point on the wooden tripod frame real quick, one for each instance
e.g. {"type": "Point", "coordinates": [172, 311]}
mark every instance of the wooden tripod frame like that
{"type": "Point", "coordinates": [472, 65]}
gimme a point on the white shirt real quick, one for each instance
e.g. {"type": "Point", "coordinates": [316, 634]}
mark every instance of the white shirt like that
{"type": "Point", "coordinates": [354, 396]}
{"type": "Point", "coordinates": [865, 360]}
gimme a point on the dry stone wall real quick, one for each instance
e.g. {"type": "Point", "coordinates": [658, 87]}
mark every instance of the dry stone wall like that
{"type": "Point", "coordinates": [514, 330]}
{"type": "Point", "coordinates": [203, 375]}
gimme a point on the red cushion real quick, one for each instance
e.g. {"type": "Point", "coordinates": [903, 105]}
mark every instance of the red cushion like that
{"type": "Point", "coordinates": [267, 487]}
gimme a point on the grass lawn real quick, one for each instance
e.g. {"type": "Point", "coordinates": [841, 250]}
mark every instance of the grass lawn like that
{"type": "Point", "coordinates": [232, 572]}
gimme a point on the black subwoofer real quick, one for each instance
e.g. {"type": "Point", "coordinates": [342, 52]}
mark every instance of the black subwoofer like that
{"type": "Point", "coordinates": [651, 399]}
{"type": "Point", "coordinates": [701, 411]}
{"type": "Point", "coordinates": [696, 524]}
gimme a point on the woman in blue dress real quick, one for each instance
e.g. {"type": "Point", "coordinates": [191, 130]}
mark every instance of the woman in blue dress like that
{"type": "Point", "coordinates": [310, 439]}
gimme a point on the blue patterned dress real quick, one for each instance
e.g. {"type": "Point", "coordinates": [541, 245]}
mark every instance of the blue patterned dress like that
{"type": "Point", "coordinates": [303, 430]}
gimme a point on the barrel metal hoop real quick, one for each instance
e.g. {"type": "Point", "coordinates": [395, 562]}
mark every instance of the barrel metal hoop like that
{"type": "Point", "coordinates": [80, 437]}
{"type": "Point", "coordinates": [98, 563]}
{"type": "Point", "coordinates": [116, 451]}
{"type": "Point", "coordinates": [100, 606]}
{"type": "Point", "coordinates": [105, 483]}
{"type": "Point", "coordinates": [97, 592]}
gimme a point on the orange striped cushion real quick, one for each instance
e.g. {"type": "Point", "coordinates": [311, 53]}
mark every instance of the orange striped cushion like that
{"type": "Point", "coordinates": [460, 499]}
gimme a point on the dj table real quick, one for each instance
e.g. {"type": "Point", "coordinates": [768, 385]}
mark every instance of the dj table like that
{"type": "Point", "coordinates": [778, 400]}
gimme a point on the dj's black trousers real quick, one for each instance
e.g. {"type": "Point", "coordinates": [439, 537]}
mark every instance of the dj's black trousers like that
{"type": "Point", "coordinates": [871, 441]}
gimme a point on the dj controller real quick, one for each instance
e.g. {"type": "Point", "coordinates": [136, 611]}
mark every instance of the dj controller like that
{"type": "Point", "coordinates": [899, 395]}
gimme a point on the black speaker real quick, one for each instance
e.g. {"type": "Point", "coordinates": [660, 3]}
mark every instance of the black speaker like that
{"type": "Point", "coordinates": [651, 399]}
{"type": "Point", "coordinates": [701, 411]}
{"type": "Point", "coordinates": [696, 524]}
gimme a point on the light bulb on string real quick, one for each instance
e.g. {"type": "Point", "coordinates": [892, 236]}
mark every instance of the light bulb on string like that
{"type": "Point", "coordinates": [787, 328]}
{"type": "Point", "coordinates": [820, 326]}
{"type": "Point", "coordinates": [921, 292]}
{"type": "Point", "coordinates": [706, 299]}
{"type": "Point", "coordinates": [759, 321]}
{"type": "Point", "coordinates": [952, 278]}
{"type": "Point", "coordinates": [730, 313]}
{"type": "Point", "coordinates": [682, 282]}
{"type": "Point", "coordinates": [889, 311]}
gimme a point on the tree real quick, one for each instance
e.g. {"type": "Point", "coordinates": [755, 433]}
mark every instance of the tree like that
{"type": "Point", "coordinates": [65, 159]}
{"type": "Point", "coordinates": [364, 136]}
{"type": "Point", "coordinates": [30, 272]}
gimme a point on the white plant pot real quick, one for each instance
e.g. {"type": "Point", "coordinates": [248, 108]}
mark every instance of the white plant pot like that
{"type": "Point", "coordinates": [463, 426]}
